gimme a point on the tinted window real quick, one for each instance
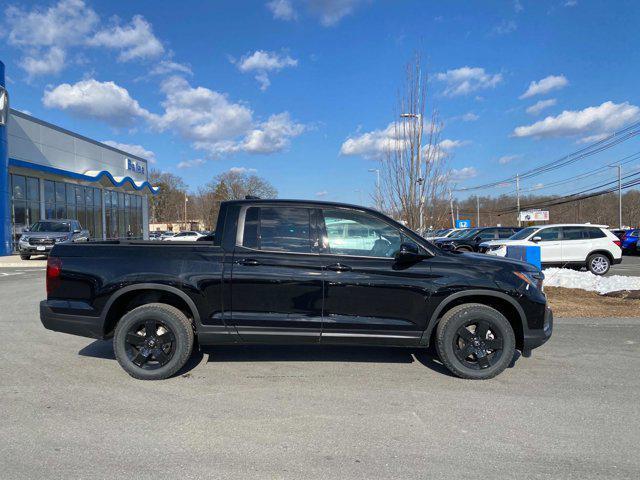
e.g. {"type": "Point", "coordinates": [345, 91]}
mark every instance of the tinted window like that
{"type": "Point", "coordinates": [278, 229]}
{"type": "Point", "coordinates": [505, 232]}
{"type": "Point", "coordinates": [549, 234]}
{"type": "Point", "coordinates": [593, 232]}
{"type": "Point", "coordinates": [356, 233]}
{"type": "Point", "coordinates": [524, 233]}
{"type": "Point", "coordinates": [487, 234]}
{"type": "Point", "coordinates": [575, 233]}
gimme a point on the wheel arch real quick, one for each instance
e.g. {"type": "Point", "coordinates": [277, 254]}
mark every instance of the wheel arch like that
{"type": "Point", "coordinates": [498, 300]}
{"type": "Point", "coordinates": [604, 252]}
{"type": "Point", "coordinates": [132, 296]}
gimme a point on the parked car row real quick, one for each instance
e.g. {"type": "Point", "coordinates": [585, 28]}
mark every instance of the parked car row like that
{"type": "Point", "coordinates": [568, 245]}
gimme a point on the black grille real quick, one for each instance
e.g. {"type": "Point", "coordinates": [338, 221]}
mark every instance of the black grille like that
{"type": "Point", "coordinates": [41, 241]}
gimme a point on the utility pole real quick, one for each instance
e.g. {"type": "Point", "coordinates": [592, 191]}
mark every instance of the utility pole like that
{"type": "Point", "coordinates": [477, 211]}
{"type": "Point", "coordinates": [457, 212]}
{"type": "Point", "coordinates": [186, 199]}
{"type": "Point", "coordinates": [620, 195]}
{"type": "Point", "coordinates": [518, 196]}
{"type": "Point", "coordinates": [453, 223]}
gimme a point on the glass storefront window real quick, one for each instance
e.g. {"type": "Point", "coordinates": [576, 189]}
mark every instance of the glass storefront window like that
{"type": "Point", "coordinates": [25, 203]}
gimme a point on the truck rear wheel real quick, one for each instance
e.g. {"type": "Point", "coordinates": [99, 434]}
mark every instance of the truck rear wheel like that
{"type": "Point", "coordinates": [153, 341]}
{"type": "Point", "coordinates": [475, 341]}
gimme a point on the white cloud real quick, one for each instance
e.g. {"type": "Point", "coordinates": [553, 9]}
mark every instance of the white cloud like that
{"type": "Point", "coordinates": [135, 41]}
{"type": "Point", "coordinates": [508, 158]}
{"type": "Point", "coordinates": [93, 99]}
{"type": "Point", "coordinates": [448, 144]}
{"type": "Point", "coordinates": [282, 10]}
{"type": "Point", "coordinates": [273, 135]}
{"type": "Point", "coordinates": [547, 84]}
{"type": "Point", "coordinates": [469, 117]}
{"type": "Point", "coordinates": [243, 170]}
{"type": "Point", "coordinates": [65, 23]}
{"type": "Point", "coordinates": [44, 63]}
{"type": "Point", "coordinates": [537, 107]}
{"type": "Point", "coordinates": [200, 114]}
{"type": "Point", "coordinates": [196, 162]}
{"type": "Point", "coordinates": [168, 66]}
{"type": "Point", "coordinates": [133, 149]}
{"type": "Point", "coordinates": [517, 6]}
{"type": "Point", "coordinates": [504, 28]}
{"type": "Point", "coordinates": [592, 120]}
{"type": "Point", "coordinates": [571, 3]}
{"type": "Point", "coordinates": [261, 63]}
{"type": "Point", "coordinates": [372, 145]}
{"type": "Point", "coordinates": [458, 175]}
{"type": "Point", "coordinates": [332, 11]}
{"type": "Point", "coordinates": [593, 138]}
{"type": "Point", "coordinates": [322, 193]}
{"type": "Point", "coordinates": [329, 12]}
{"type": "Point", "coordinates": [465, 80]}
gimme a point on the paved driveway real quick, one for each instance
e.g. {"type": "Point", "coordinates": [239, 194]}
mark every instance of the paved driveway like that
{"type": "Point", "coordinates": [69, 411]}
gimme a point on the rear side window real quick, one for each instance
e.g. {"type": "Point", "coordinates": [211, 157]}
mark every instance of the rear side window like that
{"type": "Point", "coordinates": [575, 233]}
{"type": "Point", "coordinates": [505, 232]}
{"type": "Point", "coordinates": [593, 232]}
{"type": "Point", "coordinates": [278, 229]}
{"type": "Point", "coordinates": [488, 235]}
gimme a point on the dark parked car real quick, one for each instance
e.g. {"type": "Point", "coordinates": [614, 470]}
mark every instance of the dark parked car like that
{"type": "Point", "coordinates": [296, 272]}
{"type": "Point", "coordinates": [40, 238]}
{"type": "Point", "coordinates": [470, 242]}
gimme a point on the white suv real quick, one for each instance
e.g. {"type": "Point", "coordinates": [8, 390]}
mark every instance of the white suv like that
{"type": "Point", "coordinates": [567, 245]}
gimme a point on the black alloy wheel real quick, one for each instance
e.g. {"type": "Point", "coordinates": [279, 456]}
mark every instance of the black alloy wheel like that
{"type": "Point", "coordinates": [475, 341]}
{"type": "Point", "coordinates": [477, 345]}
{"type": "Point", "coordinates": [150, 344]}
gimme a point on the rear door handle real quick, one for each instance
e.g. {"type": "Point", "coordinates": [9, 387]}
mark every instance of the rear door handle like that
{"type": "Point", "coordinates": [339, 267]}
{"type": "Point", "coordinates": [248, 262]}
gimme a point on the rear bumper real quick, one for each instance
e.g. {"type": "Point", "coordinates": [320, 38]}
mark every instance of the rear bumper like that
{"type": "Point", "coordinates": [616, 261]}
{"type": "Point", "coordinates": [81, 325]}
{"type": "Point", "coordinates": [535, 338]}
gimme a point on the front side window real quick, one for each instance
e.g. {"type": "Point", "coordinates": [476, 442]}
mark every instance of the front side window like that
{"type": "Point", "coordinates": [278, 229]}
{"type": "Point", "coordinates": [549, 234]}
{"type": "Point", "coordinates": [356, 233]}
{"type": "Point", "coordinates": [487, 235]}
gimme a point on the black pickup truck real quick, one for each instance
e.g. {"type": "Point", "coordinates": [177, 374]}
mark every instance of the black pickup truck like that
{"type": "Point", "coordinates": [296, 272]}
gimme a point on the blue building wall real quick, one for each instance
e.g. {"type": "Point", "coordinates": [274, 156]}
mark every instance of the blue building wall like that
{"type": "Point", "coordinates": [5, 199]}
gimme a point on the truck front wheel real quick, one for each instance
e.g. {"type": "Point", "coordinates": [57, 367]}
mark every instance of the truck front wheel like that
{"type": "Point", "coordinates": [475, 341]}
{"type": "Point", "coordinates": [153, 341]}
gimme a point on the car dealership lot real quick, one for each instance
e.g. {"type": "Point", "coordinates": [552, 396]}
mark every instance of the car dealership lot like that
{"type": "Point", "coordinates": [69, 411]}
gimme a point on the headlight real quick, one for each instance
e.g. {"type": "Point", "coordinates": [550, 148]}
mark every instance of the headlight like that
{"type": "Point", "coordinates": [532, 279]}
{"type": "Point", "coordinates": [62, 239]}
{"type": "Point", "coordinates": [24, 239]}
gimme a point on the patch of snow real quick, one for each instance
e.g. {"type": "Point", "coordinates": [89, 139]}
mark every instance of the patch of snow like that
{"type": "Point", "coordinates": [567, 278]}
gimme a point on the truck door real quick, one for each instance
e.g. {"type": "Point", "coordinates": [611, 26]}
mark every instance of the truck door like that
{"type": "Point", "coordinates": [368, 298]}
{"type": "Point", "coordinates": [276, 276]}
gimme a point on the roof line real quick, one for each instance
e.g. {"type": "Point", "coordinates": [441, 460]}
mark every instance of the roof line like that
{"type": "Point", "coordinates": [79, 176]}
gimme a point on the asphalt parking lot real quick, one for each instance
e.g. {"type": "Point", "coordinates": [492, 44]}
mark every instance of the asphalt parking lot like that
{"type": "Point", "coordinates": [69, 411]}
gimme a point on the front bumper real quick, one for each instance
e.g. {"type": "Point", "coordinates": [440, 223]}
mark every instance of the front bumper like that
{"type": "Point", "coordinates": [82, 325]}
{"type": "Point", "coordinates": [35, 249]}
{"type": "Point", "coordinates": [535, 338]}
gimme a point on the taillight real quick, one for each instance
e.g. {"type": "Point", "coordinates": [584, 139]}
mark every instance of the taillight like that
{"type": "Point", "coordinates": [618, 243]}
{"type": "Point", "coordinates": [54, 268]}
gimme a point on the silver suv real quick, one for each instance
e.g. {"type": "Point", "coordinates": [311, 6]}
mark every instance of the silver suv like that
{"type": "Point", "coordinates": [43, 235]}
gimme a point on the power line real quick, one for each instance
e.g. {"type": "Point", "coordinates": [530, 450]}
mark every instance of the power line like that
{"type": "Point", "coordinates": [592, 149]}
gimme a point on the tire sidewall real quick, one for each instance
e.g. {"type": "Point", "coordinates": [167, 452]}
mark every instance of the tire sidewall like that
{"type": "Point", "coordinates": [596, 255]}
{"type": "Point", "coordinates": [497, 321]}
{"type": "Point", "coordinates": [171, 318]}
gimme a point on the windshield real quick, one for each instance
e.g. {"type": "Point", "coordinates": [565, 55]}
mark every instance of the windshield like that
{"type": "Point", "coordinates": [524, 233]}
{"type": "Point", "coordinates": [458, 233]}
{"type": "Point", "coordinates": [469, 233]}
{"type": "Point", "coordinates": [51, 227]}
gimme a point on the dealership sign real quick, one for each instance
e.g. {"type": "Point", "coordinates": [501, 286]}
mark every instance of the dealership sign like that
{"type": "Point", "coordinates": [534, 216]}
{"type": "Point", "coordinates": [133, 166]}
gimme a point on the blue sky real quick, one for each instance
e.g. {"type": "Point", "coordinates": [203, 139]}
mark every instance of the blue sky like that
{"type": "Point", "coordinates": [279, 86]}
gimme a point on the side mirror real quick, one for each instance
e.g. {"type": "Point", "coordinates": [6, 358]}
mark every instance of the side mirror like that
{"type": "Point", "coordinates": [536, 239]}
{"type": "Point", "coordinates": [408, 253]}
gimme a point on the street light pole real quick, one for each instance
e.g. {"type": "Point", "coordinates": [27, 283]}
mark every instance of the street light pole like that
{"type": "Point", "coordinates": [453, 223]}
{"type": "Point", "coordinates": [518, 196]}
{"type": "Point", "coordinates": [186, 199]}
{"type": "Point", "coordinates": [420, 179]}
{"type": "Point", "coordinates": [477, 211]}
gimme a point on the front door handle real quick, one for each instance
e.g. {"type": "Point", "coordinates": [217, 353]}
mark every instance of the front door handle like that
{"type": "Point", "coordinates": [339, 267]}
{"type": "Point", "coordinates": [248, 262]}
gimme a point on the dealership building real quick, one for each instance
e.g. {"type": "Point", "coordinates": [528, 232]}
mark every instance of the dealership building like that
{"type": "Point", "coordinates": [47, 172]}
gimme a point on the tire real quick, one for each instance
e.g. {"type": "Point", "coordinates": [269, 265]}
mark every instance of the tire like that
{"type": "Point", "coordinates": [153, 356]}
{"type": "Point", "coordinates": [598, 263]}
{"type": "Point", "coordinates": [482, 362]}
{"type": "Point", "coordinates": [25, 257]}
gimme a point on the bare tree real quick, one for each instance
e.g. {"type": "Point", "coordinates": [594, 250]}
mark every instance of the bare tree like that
{"type": "Point", "coordinates": [413, 170]}
{"type": "Point", "coordinates": [168, 205]}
